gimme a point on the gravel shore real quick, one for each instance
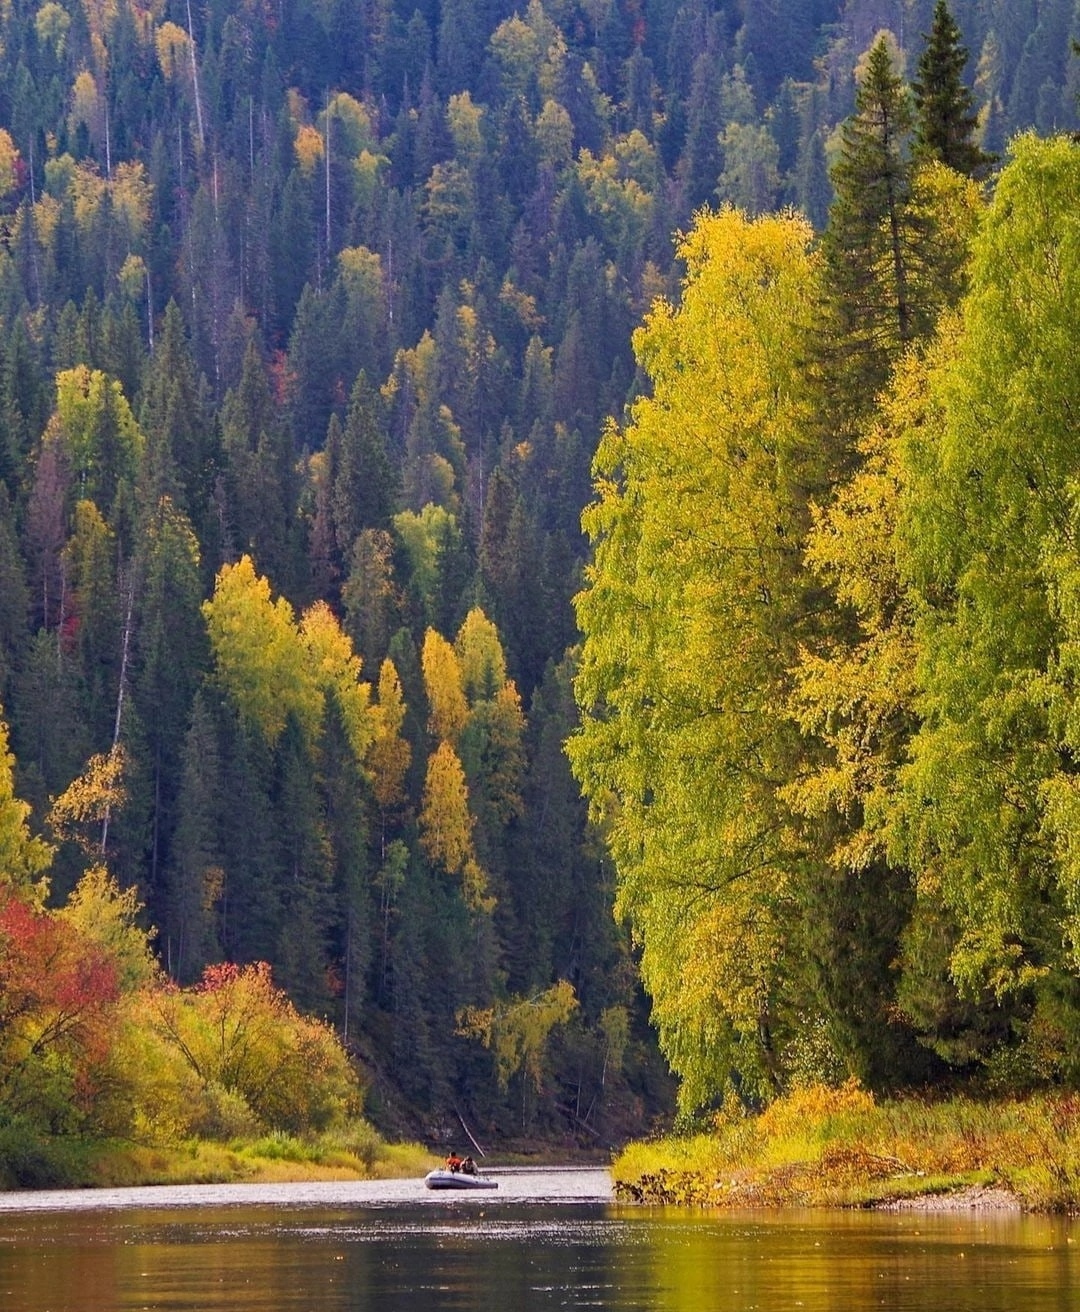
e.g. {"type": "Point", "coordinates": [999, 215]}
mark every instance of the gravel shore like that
{"type": "Point", "coordinates": [976, 1198]}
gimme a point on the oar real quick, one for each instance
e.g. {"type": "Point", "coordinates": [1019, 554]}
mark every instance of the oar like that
{"type": "Point", "coordinates": [469, 1133]}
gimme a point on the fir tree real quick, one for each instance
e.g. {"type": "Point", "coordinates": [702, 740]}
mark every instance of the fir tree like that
{"type": "Point", "coordinates": [869, 315]}
{"type": "Point", "coordinates": [945, 123]}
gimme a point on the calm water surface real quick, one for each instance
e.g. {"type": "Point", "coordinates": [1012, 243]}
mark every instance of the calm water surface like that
{"type": "Point", "coordinates": [545, 1239]}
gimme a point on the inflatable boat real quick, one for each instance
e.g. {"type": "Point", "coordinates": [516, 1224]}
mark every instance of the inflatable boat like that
{"type": "Point", "coordinates": [443, 1178]}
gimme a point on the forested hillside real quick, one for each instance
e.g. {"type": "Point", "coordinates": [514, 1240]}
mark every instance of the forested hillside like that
{"type": "Point", "coordinates": [311, 317]}
{"type": "Point", "coordinates": [829, 672]}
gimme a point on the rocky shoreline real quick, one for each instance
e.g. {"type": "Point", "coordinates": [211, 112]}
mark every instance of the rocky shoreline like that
{"type": "Point", "coordinates": [975, 1198]}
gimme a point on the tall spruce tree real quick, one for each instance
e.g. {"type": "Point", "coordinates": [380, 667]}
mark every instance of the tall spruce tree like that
{"type": "Point", "coordinates": [870, 316]}
{"type": "Point", "coordinates": [945, 121]}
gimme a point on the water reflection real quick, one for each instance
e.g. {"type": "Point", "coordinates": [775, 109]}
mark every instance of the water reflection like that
{"type": "Point", "coordinates": [544, 1241]}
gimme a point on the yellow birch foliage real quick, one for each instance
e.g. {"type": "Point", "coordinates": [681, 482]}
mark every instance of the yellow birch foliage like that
{"type": "Point", "coordinates": [480, 657]}
{"type": "Point", "coordinates": [361, 272]}
{"type": "Point", "coordinates": [9, 157]}
{"type": "Point", "coordinates": [24, 858]}
{"type": "Point", "coordinates": [273, 667]}
{"type": "Point", "coordinates": [80, 810]}
{"type": "Point", "coordinates": [85, 104]}
{"type": "Point", "coordinates": [171, 42]}
{"type": "Point", "coordinates": [442, 682]}
{"type": "Point", "coordinates": [108, 916]}
{"type": "Point", "coordinates": [858, 696]}
{"type": "Point", "coordinates": [445, 822]}
{"type": "Point", "coordinates": [389, 754]}
{"type": "Point", "coordinates": [691, 616]}
{"type": "Point", "coordinates": [239, 1034]}
{"type": "Point", "coordinates": [309, 149]}
{"type": "Point", "coordinates": [517, 1031]}
{"type": "Point", "coordinates": [259, 658]}
{"type": "Point", "coordinates": [336, 668]}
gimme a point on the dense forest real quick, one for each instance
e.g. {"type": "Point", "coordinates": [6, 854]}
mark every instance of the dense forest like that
{"type": "Point", "coordinates": [829, 674]}
{"type": "Point", "coordinates": [311, 320]}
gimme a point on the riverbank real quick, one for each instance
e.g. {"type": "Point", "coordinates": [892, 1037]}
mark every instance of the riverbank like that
{"type": "Point", "coordinates": [355, 1152]}
{"type": "Point", "coordinates": [842, 1148]}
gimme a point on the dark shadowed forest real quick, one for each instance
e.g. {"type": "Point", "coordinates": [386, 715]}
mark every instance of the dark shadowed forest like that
{"type": "Point", "coordinates": [312, 319]}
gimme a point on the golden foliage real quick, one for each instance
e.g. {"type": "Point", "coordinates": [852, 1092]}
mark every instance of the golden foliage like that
{"type": "Point", "coordinates": [251, 1054]}
{"type": "Point", "coordinates": [445, 823]}
{"type": "Point", "coordinates": [77, 814]}
{"type": "Point", "coordinates": [260, 659]}
{"type": "Point", "coordinates": [9, 157]}
{"type": "Point", "coordinates": [480, 657]}
{"type": "Point", "coordinates": [309, 149]}
{"type": "Point", "coordinates": [442, 682]}
{"type": "Point", "coordinates": [85, 105]}
{"type": "Point", "coordinates": [517, 1031]}
{"type": "Point", "coordinates": [690, 615]}
{"type": "Point", "coordinates": [172, 45]}
{"type": "Point", "coordinates": [24, 858]}
{"type": "Point", "coordinates": [336, 669]}
{"type": "Point", "coordinates": [108, 916]}
{"type": "Point", "coordinates": [361, 271]}
{"type": "Point", "coordinates": [389, 755]}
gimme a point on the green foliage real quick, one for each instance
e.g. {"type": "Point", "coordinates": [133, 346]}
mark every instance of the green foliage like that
{"type": "Point", "coordinates": [32, 1160]}
{"type": "Point", "coordinates": [369, 289]}
{"type": "Point", "coordinates": [824, 1146]}
{"type": "Point", "coordinates": [691, 619]}
{"type": "Point", "coordinates": [945, 121]}
{"type": "Point", "coordinates": [871, 313]}
{"type": "Point", "coordinates": [255, 1059]}
{"type": "Point", "coordinates": [993, 636]}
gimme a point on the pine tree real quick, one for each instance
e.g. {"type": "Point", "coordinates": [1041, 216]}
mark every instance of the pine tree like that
{"type": "Point", "coordinates": [189, 938]}
{"type": "Point", "coordinates": [168, 657]}
{"type": "Point", "coordinates": [945, 123]}
{"type": "Point", "coordinates": [868, 314]}
{"type": "Point", "coordinates": [702, 159]}
{"type": "Point", "coordinates": [171, 415]}
{"type": "Point", "coordinates": [364, 491]}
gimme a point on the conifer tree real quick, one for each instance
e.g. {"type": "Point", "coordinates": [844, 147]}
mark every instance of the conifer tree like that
{"type": "Point", "coordinates": [195, 881]}
{"type": "Point", "coordinates": [171, 415]}
{"type": "Point", "coordinates": [364, 491]}
{"type": "Point", "coordinates": [169, 653]}
{"type": "Point", "coordinates": [945, 123]}
{"type": "Point", "coordinates": [868, 240]}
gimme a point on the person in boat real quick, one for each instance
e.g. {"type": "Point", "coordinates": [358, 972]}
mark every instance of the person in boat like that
{"type": "Point", "coordinates": [468, 1166]}
{"type": "Point", "coordinates": [454, 1162]}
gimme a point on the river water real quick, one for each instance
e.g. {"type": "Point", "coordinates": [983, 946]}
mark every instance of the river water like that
{"type": "Point", "coordinates": [545, 1239]}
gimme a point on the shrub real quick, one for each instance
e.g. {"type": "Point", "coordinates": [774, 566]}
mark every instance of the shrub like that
{"type": "Point", "coordinates": [28, 1161]}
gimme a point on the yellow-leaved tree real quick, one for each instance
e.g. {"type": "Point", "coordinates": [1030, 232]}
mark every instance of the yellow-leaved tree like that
{"type": "Point", "coordinates": [446, 825]}
{"type": "Point", "coordinates": [518, 1032]}
{"type": "Point", "coordinates": [442, 682]}
{"type": "Point", "coordinates": [692, 614]}
{"type": "Point", "coordinates": [24, 858]}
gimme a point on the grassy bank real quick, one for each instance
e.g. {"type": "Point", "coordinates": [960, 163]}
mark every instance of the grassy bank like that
{"type": "Point", "coordinates": [841, 1147]}
{"type": "Point", "coordinates": [355, 1153]}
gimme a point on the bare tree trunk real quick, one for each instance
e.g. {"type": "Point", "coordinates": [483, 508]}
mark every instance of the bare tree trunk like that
{"type": "Point", "coordinates": [119, 701]}
{"type": "Point", "coordinates": [195, 78]}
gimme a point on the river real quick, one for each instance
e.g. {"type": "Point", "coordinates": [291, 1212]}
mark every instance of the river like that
{"type": "Point", "coordinates": [545, 1239]}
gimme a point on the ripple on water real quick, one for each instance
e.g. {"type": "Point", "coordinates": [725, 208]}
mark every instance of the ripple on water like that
{"type": "Point", "coordinates": [536, 1185]}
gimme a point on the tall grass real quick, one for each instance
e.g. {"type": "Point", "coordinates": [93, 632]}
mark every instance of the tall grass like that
{"type": "Point", "coordinates": [351, 1152]}
{"type": "Point", "coordinates": [823, 1145]}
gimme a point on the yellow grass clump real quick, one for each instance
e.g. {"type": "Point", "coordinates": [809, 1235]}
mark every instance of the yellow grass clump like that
{"type": "Point", "coordinates": [840, 1147]}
